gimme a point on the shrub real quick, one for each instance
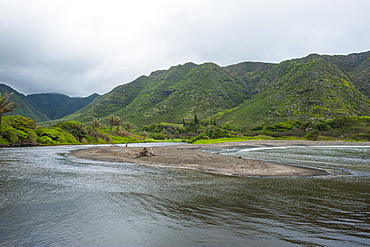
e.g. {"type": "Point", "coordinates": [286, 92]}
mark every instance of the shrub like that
{"type": "Point", "coordinates": [57, 135]}
{"type": "Point", "coordinates": [120, 139]}
{"type": "Point", "coordinates": [361, 136]}
{"type": "Point", "coordinates": [201, 136]}
{"type": "Point", "coordinates": [218, 132]}
{"type": "Point", "coordinates": [45, 140]}
{"type": "Point", "coordinates": [67, 138]}
{"type": "Point", "coordinates": [313, 135]}
{"type": "Point", "coordinates": [294, 132]}
{"type": "Point", "coordinates": [18, 130]}
{"type": "Point", "coordinates": [342, 122]}
{"type": "Point", "coordinates": [283, 126]}
{"type": "Point", "coordinates": [51, 133]}
{"type": "Point", "coordinates": [20, 122]}
{"type": "Point", "coordinates": [13, 135]}
{"type": "Point", "coordinates": [4, 142]}
{"type": "Point", "coordinates": [122, 133]}
{"type": "Point", "coordinates": [169, 127]}
{"type": "Point", "coordinates": [157, 136]}
{"type": "Point", "coordinates": [32, 136]}
{"type": "Point", "coordinates": [77, 129]}
{"type": "Point", "coordinates": [322, 125]}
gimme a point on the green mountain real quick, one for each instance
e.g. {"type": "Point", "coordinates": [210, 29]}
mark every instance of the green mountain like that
{"type": "Point", "coordinates": [55, 106]}
{"type": "Point", "coordinates": [171, 95]}
{"type": "Point", "coordinates": [312, 87]}
{"type": "Point", "coordinates": [316, 86]}
{"type": "Point", "coordinates": [46, 106]}
{"type": "Point", "coordinates": [26, 108]}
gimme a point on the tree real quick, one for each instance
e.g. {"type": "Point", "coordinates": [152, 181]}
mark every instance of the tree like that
{"type": "Point", "coordinates": [95, 124]}
{"type": "Point", "coordinates": [118, 122]}
{"type": "Point", "coordinates": [129, 126]}
{"type": "Point", "coordinates": [77, 129]}
{"type": "Point", "coordinates": [112, 121]}
{"type": "Point", "coordinates": [313, 135]}
{"type": "Point", "coordinates": [115, 121]}
{"type": "Point", "coordinates": [196, 121]}
{"type": "Point", "coordinates": [6, 105]}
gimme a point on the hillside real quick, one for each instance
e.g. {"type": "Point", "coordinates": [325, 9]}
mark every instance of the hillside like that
{"type": "Point", "coordinates": [312, 87]}
{"type": "Point", "coordinates": [55, 106]}
{"type": "Point", "coordinates": [171, 95]}
{"type": "Point", "coordinates": [46, 106]}
{"type": "Point", "coordinates": [26, 109]}
{"type": "Point", "coordinates": [316, 86]}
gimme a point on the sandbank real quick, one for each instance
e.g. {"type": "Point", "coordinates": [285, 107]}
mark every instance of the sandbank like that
{"type": "Point", "coordinates": [192, 157]}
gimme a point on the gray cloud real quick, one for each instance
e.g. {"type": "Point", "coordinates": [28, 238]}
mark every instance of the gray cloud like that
{"type": "Point", "coordinates": [80, 47]}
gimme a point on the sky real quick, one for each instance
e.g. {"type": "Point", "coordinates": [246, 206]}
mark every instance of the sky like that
{"type": "Point", "coordinates": [79, 47]}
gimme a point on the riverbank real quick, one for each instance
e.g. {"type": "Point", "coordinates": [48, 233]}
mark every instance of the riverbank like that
{"type": "Point", "coordinates": [192, 157]}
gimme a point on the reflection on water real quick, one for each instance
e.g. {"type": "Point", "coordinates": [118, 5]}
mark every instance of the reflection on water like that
{"type": "Point", "coordinates": [48, 198]}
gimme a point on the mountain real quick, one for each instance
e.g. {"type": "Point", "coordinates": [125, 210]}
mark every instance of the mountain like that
{"type": "Point", "coordinates": [171, 95]}
{"type": "Point", "coordinates": [316, 86]}
{"type": "Point", "coordinates": [26, 109]}
{"type": "Point", "coordinates": [358, 68]}
{"type": "Point", "coordinates": [55, 106]}
{"type": "Point", "coordinates": [46, 106]}
{"type": "Point", "coordinates": [311, 87]}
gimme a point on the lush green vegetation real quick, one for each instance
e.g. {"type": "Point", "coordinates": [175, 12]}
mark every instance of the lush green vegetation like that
{"type": "Point", "coordinates": [21, 131]}
{"type": "Point", "coordinates": [312, 87]}
{"type": "Point", "coordinates": [46, 106]}
{"type": "Point", "coordinates": [356, 128]}
{"type": "Point", "coordinates": [317, 97]}
{"type": "Point", "coordinates": [18, 131]}
{"type": "Point", "coordinates": [6, 106]}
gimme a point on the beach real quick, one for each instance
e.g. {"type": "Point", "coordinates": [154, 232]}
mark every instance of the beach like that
{"type": "Point", "coordinates": [194, 157]}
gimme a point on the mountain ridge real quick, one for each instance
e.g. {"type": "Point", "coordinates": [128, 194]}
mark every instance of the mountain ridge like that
{"type": "Point", "coordinates": [247, 93]}
{"type": "Point", "coordinates": [45, 106]}
{"type": "Point", "coordinates": [315, 86]}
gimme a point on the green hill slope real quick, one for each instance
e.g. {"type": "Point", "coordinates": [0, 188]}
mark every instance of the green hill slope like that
{"type": "Point", "coordinates": [316, 86]}
{"type": "Point", "coordinates": [46, 106]}
{"type": "Point", "coordinates": [55, 106]}
{"type": "Point", "coordinates": [171, 95]}
{"type": "Point", "coordinates": [26, 109]}
{"type": "Point", "coordinates": [312, 87]}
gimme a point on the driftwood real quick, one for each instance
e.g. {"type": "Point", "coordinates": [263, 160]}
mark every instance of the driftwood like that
{"type": "Point", "coordinates": [145, 152]}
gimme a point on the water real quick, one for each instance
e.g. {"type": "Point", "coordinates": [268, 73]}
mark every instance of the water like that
{"type": "Point", "coordinates": [50, 199]}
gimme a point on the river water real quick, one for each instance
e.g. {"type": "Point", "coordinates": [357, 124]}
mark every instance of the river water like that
{"type": "Point", "coordinates": [48, 198]}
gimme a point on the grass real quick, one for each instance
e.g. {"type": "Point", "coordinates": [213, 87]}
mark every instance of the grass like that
{"type": "Point", "coordinates": [263, 137]}
{"type": "Point", "coordinates": [221, 140]}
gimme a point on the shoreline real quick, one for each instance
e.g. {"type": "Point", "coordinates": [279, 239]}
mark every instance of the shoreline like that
{"type": "Point", "coordinates": [192, 157]}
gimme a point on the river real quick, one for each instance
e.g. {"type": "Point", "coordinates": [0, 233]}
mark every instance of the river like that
{"type": "Point", "coordinates": [48, 198]}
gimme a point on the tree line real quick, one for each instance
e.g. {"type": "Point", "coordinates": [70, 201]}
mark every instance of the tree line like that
{"type": "Point", "coordinates": [19, 130]}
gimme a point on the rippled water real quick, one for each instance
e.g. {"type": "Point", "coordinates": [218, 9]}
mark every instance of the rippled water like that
{"type": "Point", "coordinates": [50, 199]}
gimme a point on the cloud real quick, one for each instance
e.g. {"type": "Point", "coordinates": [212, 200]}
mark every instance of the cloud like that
{"type": "Point", "coordinates": [80, 47]}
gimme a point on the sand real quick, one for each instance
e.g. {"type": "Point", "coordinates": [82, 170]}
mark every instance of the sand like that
{"type": "Point", "coordinates": [192, 157]}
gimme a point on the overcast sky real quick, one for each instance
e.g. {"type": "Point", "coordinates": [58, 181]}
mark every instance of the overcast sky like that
{"type": "Point", "coordinates": [79, 47]}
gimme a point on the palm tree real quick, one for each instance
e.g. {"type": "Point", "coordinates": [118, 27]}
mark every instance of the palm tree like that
{"type": "Point", "coordinates": [95, 124]}
{"type": "Point", "coordinates": [112, 121]}
{"type": "Point", "coordinates": [118, 122]}
{"type": "Point", "coordinates": [129, 126]}
{"type": "Point", "coordinates": [6, 105]}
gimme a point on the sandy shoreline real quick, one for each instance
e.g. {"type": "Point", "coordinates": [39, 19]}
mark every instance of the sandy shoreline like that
{"type": "Point", "coordinates": [192, 157]}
